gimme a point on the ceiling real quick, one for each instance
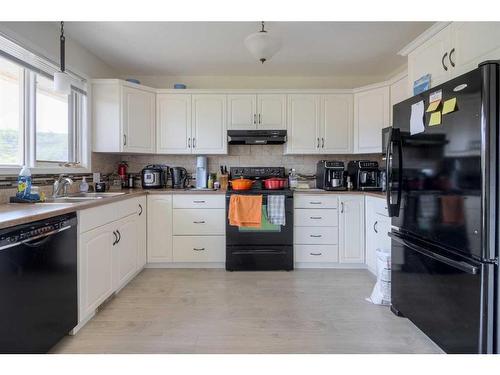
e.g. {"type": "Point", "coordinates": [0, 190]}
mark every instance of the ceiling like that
{"type": "Point", "coordinates": [216, 48]}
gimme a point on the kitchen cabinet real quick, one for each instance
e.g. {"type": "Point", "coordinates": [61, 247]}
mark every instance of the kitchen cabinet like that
{"type": "Point", "coordinates": [303, 124]}
{"type": "Point", "coordinates": [398, 93]}
{"type": "Point", "coordinates": [252, 112]}
{"type": "Point", "coordinates": [209, 128]}
{"type": "Point", "coordinates": [336, 124]}
{"type": "Point", "coordinates": [377, 225]}
{"type": "Point", "coordinates": [351, 229]}
{"type": "Point", "coordinates": [371, 115]}
{"type": "Point", "coordinates": [123, 117]}
{"type": "Point", "coordinates": [141, 222]}
{"type": "Point", "coordinates": [173, 124]}
{"type": "Point", "coordinates": [159, 220]}
{"type": "Point", "coordinates": [125, 251]}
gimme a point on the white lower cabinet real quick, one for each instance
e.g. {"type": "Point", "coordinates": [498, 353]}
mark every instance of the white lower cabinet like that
{"type": "Point", "coordinates": [125, 251]}
{"type": "Point", "coordinates": [378, 224]}
{"type": "Point", "coordinates": [352, 229]}
{"type": "Point", "coordinates": [317, 253]}
{"type": "Point", "coordinates": [199, 222]}
{"type": "Point", "coordinates": [199, 249]}
{"type": "Point", "coordinates": [159, 228]}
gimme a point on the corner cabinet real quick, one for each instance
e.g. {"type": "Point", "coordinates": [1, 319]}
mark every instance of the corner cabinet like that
{"type": "Point", "coordinates": [371, 115]}
{"type": "Point", "coordinates": [123, 117]}
{"type": "Point", "coordinates": [352, 229]}
{"type": "Point", "coordinates": [378, 225]}
{"type": "Point", "coordinates": [252, 112]}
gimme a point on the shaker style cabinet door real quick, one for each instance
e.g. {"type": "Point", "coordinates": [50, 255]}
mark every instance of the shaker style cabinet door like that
{"type": "Point", "coordinates": [209, 128]}
{"type": "Point", "coordinates": [336, 125]}
{"type": "Point", "coordinates": [125, 251]}
{"type": "Point", "coordinates": [141, 222]}
{"type": "Point", "coordinates": [271, 111]}
{"type": "Point", "coordinates": [352, 229]}
{"type": "Point", "coordinates": [173, 124]}
{"type": "Point", "coordinates": [159, 228]}
{"type": "Point", "coordinates": [242, 114]}
{"type": "Point", "coordinates": [138, 120]}
{"type": "Point", "coordinates": [303, 124]}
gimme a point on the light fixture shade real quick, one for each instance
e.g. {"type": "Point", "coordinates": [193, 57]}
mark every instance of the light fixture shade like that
{"type": "Point", "coordinates": [62, 83]}
{"type": "Point", "coordinates": [262, 45]}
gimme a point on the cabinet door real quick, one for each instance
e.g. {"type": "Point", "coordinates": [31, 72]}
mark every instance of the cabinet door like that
{"type": "Point", "coordinates": [159, 215]}
{"type": "Point", "coordinates": [429, 59]}
{"type": "Point", "coordinates": [303, 124]}
{"type": "Point", "coordinates": [95, 265]}
{"type": "Point", "coordinates": [125, 251]}
{"type": "Point", "coordinates": [209, 124]}
{"type": "Point", "coordinates": [352, 229]}
{"type": "Point", "coordinates": [398, 92]}
{"type": "Point", "coordinates": [271, 111]}
{"type": "Point", "coordinates": [173, 124]}
{"type": "Point", "coordinates": [474, 42]}
{"type": "Point", "coordinates": [242, 113]}
{"type": "Point", "coordinates": [371, 115]}
{"type": "Point", "coordinates": [336, 124]}
{"type": "Point", "coordinates": [141, 222]}
{"type": "Point", "coordinates": [371, 238]}
{"type": "Point", "coordinates": [138, 120]}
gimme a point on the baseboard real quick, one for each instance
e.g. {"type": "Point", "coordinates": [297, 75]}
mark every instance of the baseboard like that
{"type": "Point", "coordinates": [187, 265]}
{"type": "Point", "coordinates": [81, 324]}
{"type": "Point", "coordinates": [299, 265]}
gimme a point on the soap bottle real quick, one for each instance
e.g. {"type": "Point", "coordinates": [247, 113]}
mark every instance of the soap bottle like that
{"type": "Point", "coordinates": [84, 186]}
{"type": "Point", "coordinates": [24, 183]}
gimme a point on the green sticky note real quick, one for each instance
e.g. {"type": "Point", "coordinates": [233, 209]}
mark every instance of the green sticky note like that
{"type": "Point", "coordinates": [450, 106]}
{"type": "Point", "coordinates": [435, 119]}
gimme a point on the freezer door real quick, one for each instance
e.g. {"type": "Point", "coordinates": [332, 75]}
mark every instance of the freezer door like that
{"type": "Point", "coordinates": [450, 299]}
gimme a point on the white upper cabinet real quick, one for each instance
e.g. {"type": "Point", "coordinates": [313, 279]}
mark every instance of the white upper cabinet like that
{"type": "Point", "coordinates": [123, 117]}
{"type": "Point", "coordinates": [209, 128]}
{"type": "Point", "coordinates": [242, 113]}
{"type": "Point", "coordinates": [271, 111]}
{"type": "Point", "coordinates": [371, 115]}
{"type": "Point", "coordinates": [173, 124]}
{"type": "Point", "coordinates": [398, 92]}
{"type": "Point", "coordinates": [336, 123]}
{"type": "Point", "coordinates": [303, 124]}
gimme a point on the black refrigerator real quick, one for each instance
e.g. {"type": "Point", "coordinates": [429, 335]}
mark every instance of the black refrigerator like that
{"type": "Point", "coordinates": [442, 195]}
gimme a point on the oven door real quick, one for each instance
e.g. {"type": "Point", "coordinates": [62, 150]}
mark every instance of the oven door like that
{"type": "Point", "coordinates": [267, 235]}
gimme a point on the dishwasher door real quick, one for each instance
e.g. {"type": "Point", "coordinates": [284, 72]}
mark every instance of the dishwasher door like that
{"type": "Point", "coordinates": [38, 284]}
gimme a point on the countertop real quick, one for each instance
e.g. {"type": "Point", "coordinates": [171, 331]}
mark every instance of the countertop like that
{"type": "Point", "coordinates": [12, 214]}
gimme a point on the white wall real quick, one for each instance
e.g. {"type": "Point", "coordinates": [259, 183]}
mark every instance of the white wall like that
{"type": "Point", "coordinates": [43, 38]}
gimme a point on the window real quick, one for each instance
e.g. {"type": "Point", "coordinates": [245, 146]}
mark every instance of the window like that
{"type": "Point", "coordinates": [39, 127]}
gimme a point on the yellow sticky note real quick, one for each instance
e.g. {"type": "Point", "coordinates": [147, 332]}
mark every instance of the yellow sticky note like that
{"type": "Point", "coordinates": [450, 106]}
{"type": "Point", "coordinates": [433, 106]}
{"type": "Point", "coordinates": [435, 119]}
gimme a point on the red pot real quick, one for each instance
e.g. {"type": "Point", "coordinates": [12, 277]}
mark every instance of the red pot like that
{"type": "Point", "coordinates": [275, 183]}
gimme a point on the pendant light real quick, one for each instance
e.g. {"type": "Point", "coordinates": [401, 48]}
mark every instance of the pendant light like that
{"type": "Point", "coordinates": [262, 45]}
{"type": "Point", "coordinates": [62, 81]}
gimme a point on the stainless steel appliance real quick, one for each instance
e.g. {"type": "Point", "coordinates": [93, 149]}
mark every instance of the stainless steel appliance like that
{"type": "Point", "coordinates": [201, 172]}
{"type": "Point", "coordinates": [442, 195]}
{"type": "Point", "coordinates": [179, 177]}
{"type": "Point", "coordinates": [38, 284]}
{"type": "Point", "coordinates": [256, 137]}
{"type": "Point", "coordinates": [267, 248]}
{"type": "Point", "coordinates": [364, 174]}
{"type": "Point", "coordinates": [330, 175]}
{"type": "Point", "coordinates": [154, 176]}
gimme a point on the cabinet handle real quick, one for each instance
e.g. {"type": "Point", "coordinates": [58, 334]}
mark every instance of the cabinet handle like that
{"type": "Point", "coordinates": [375, 226]}
{"type": "Point", "coordinates": [198, 201]}
{"type": "Point", "coordinates": [317, 144]}
{"type": "Point", "coordinates": [451, 60]}
{"type": "Point", "coordinates": [341, 207]}
{"type": "Point", "coordinates": [316, 217]}
{"type": "Point", "coordinates": [198, 248]}
{"type": "Point", "coordinates": [124, 139]}
{"type": "Point", "coordinates": [442, 61]}
{"type": "Point", "coordinates": [315, 235]}
{"type": "Point", "coordinates": [314, 202]}
{"type": "Point", "coordinates": [116, 238]}
{"type": "Point", "coordinates": [140, 212]}
{"type": "Point", "coordinates": [255, 119]}
{"type": "Point", "coordinates": [322, 142]}
{"type": "Point", "coordinates": [315, 254]}
{"type": "Point", "coordinates": [199, 222]}
{"type": "Point", "coordinates": [189, 142]}
{"type": "Point", "coordinates": [260, 119]}
{"type": "Point", "coordinates": [194, 142]}
{"type": "Point", "coordinates": [119, 236]}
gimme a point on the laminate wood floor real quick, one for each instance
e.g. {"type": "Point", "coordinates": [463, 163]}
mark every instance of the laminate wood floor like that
{"type": "Point", "coordinates": [214, 311]}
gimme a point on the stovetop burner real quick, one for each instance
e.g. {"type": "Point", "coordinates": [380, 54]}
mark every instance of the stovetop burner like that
{"type": "Point", "coordinates": [258, 174]}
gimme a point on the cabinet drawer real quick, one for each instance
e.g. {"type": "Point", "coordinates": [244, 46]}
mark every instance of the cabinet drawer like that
{"type": "Point", "coordinates": [200, 249]}
{"type": "Point", "coordinates": [101, 215]}
{"type": "Point", "coordinates": [316, 253]}
{"type": "Point", "coordinates": [315, 201]}
{"type": "Point", "coordinates": [188, 221]}
{"type": "Point", "coordinates": [199, 201]}
{"type": "Point", "coordinates": [315, 218]}
{"type": "Point", "coordinates": [316, 235]}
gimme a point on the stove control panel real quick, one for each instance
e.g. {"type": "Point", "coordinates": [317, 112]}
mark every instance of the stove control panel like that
{"type": "Point", "coordinates": [257, 173]}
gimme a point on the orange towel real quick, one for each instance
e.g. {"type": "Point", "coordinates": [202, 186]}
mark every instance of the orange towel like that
{"type": "Point", "coordinates": [245, 210]}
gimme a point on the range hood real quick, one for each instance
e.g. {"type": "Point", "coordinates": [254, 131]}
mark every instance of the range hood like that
{"type": "Point", "coordinates": [256, 137]}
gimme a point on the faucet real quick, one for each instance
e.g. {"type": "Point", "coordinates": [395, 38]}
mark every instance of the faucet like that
{"type": "Point", "coordinates": [61, 183]}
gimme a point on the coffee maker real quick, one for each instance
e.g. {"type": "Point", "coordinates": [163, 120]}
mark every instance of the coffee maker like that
{"type": "Point", "coordinates": [330, 175]}
{"type": "Point", "coordinates": [179, 177]}
{"type": "Point", "coordinates": [201, 172]}
{"type": "Point", "coordinates": [364, 174]}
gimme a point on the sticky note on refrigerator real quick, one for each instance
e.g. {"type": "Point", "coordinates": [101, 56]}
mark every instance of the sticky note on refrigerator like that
{"type": "Point", "coordinates": [435, 119]}
{"type": "Point", "coordinates": [417, 118]}
{"type": "Point", "coordinates": [449, 106]}
{"type": "Point", "coordinates": [433, 106]}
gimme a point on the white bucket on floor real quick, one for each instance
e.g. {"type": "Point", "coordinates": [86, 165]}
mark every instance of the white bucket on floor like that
{"type": "Point", "coordinates": [381, 294]}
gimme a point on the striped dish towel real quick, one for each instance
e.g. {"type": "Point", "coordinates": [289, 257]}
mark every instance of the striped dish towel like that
{"type": "Point", "coordinates": [276, 209]}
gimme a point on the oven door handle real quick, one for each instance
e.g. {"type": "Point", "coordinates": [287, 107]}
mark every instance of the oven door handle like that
{"type": "Point", "coordinates": [270, 251]}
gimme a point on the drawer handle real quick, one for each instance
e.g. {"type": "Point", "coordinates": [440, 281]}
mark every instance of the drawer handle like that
{"type": "Point", "coordinates": [198, 248]}
{"type": "Point", "coordinates": [199, 202]}
{"type": "Point", "coordinates": [316, 217]}
{"type": "Point", "coordinates": [315, 235]}
{"type": "Point", "coordinates": [199, 222]}
{"type": "Point", "coordinates": [316, 254]}
{"type": "Point", "coordinates": [314, 202]}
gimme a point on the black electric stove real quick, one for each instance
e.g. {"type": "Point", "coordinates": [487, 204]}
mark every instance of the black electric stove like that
{"type": "Point", "coordinates": [266, 249]}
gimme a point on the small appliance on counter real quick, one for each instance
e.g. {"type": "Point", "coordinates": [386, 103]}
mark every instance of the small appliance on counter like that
{"type": "Point", "coordinates": [122, 172]}
{"type": "Point", "coordinates": [330, 175]}
{"type": "Point", "coordinates": [154, 176]}
{"type": "Point", "coordinates": [179, 177]}
{"type": "Point", "coordinates": [201, 172]}
{"type": "Point", "coordinates": [364, 175]}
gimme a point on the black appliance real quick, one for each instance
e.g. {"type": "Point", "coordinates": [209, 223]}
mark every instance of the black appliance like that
{"type": "Point", "coordinates": [179, 177]}
{"type": "Point", "coordinates": [260, 250]}
{"type": "Point", "coordinates": [154, 176]}
{"type": "Point", "coordinates": [386, 136]}
{"type": "Point", "coordinates": [38, 284]}
{"type": "Point", "coordinates": [442, 195]}
{"type": "Point", "coordinates": [330, 175]}
{"type": "Point", "coordinates": [256, 137]}
{"type": "Point", "coordinates": [364, 174]}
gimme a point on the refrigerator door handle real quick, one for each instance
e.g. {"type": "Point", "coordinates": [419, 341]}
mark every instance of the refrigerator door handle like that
{"type": "Point", "coordinates": [395, 138]}
{"type": "Point", "coordinates": [463, 266]}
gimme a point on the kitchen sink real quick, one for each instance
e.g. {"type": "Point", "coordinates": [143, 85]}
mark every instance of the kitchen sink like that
{"type": "Point", "coordinates": [81, 197]}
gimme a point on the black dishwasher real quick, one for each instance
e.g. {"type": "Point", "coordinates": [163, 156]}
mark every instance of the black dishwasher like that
{"type": "Point", "coordinates": [38, 284]}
